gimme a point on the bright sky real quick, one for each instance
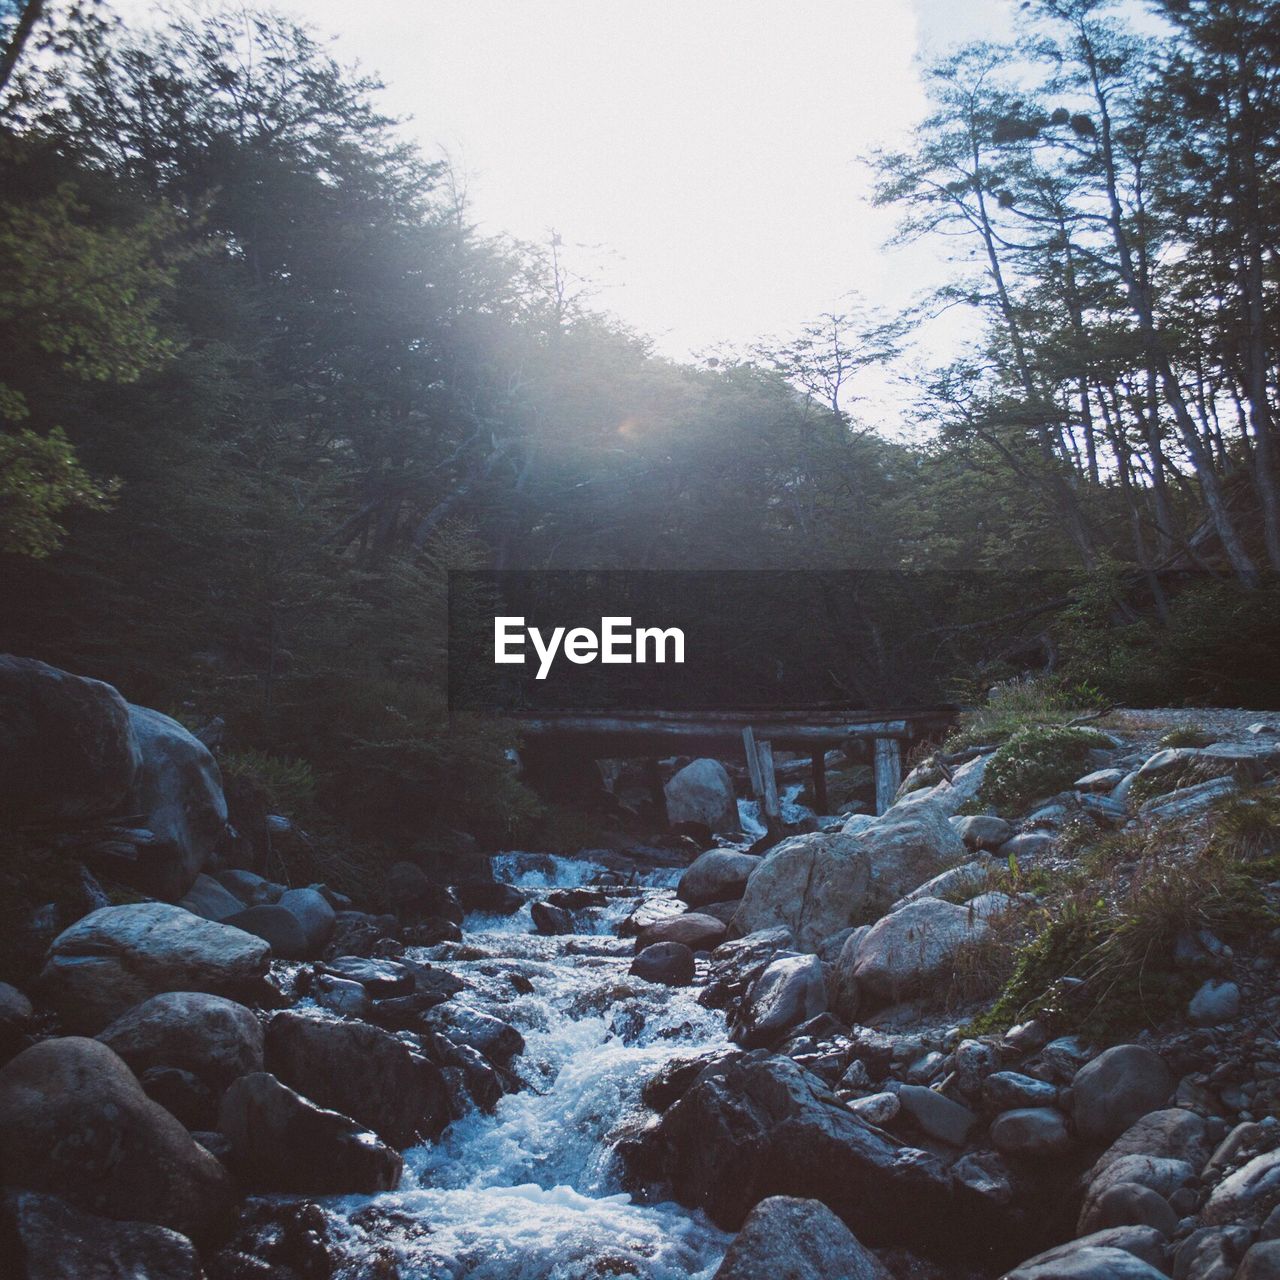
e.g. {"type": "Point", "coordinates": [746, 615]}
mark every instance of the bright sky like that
{"type": "Point", "coordinates": [698, 157]}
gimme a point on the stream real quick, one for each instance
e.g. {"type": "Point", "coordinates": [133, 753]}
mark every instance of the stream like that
{"type": "Point", "coordinates": [532, 1191]}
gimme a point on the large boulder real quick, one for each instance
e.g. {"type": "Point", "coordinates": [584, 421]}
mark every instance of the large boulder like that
{"type": "Point", "coordinates": [360, 1071]}
{"type": "Point", "coordinates": [790, 1239]}
{"type": "Point", "coordinates": [702, 792]}
{"type": "Point", "coordinates": [670, 963]}
{"type": "Point", "coordinates": [46, 1239]}
{"type": "Point", "coordinates": [75, 1122]}
{"type": "Point", "coordinates": [216, 1039]}
{"type": "Point", "coordinates": [117, 957]}
{"type": "Point", "coordinates": [719, 875]}
{"type": "Point", "coordinates": [281, 1141]}
{"type": "Point", "coordinates": [903, 953]}
{"type": "Point", "coordinates": [694, 930]}
{"type": "Point", "coordinates": [178, 790]}
{"type": "Point", "coordinates": [757, 1124]}
{"type": "Point", "coordinates": [790, 991]}
{"type": "Point", "coordinates": [1118, 1087]}
{"type": "Point", "coordinates": [814, 884]}
{"type": "Point", "coordinates": [907, 845]}
{"type": "Point", "coordinates": [1247, 1195]}
{"type": "Point", "coordinates": [67, 750]}
{"type": "Point", "coordinates": [1077, 1261]}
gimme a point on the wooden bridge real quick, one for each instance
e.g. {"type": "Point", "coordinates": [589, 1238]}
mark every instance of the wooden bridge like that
{"type": "Point", "coordinates": [749, 734]}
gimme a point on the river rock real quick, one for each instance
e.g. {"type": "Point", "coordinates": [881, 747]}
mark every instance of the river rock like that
{"type": "Point", "coordinates": [250, 889]}
{"type": "Point", "coordinates": [340, 995]}
{"type": "Point", "coordinates": [74, 1121]}
{"type": "Point", "coordinates": [414, 896]}
{"type": "Point", "coordinates": [281, 1141]}
{"type": "Point", "coordinates": [1011, 1091]}
{"type": "Point", "coordinates": [1157, 1173]}
{"type": "Point", "coordinates": [1031, 1132]}
{"type": "Point", "coordinates": [813, 884]}
{"type": "Point", "coordinates": [694, 930]}
{"type": "Point", "coordinates": [702, 792]}
{"type": "Point", "coordinates": [360, 1071]}
{"type": "Point", "coordinates": [380, 978]}
{"type": "Point", "coordinates": [982, 831]}
{"type": "Point", "coordinates": [215, 1039]}
{"type": "Point", "coordinates": [910, 949]}
{"type": "Point", "coordinates": [670, 963]}
{"type": "Point", "coordinates": [1261, 1262]}
{"type": "Point", "coordinates": [49, 1240]}
{"type": "Point", "coordinates": [1173, 1134]}
{"type": "Point", "coordinates": [878, 1109]}
{"type": "Point", "coordinates": [67, 749]}
{"type": "Point", "coordinates": [790, 991]}
{"type": "Point", "coordinates": [551, 921]}
{"type": "Point", "coordinates": [1247, 1195]}
{"type": "Point", "coordinates": [499, 1041]}
{"type": "Point", "coordinates": [719, 875]}
{"type": "Point", "coordinates": [117, 957]}
{"type": "Point", "coordinates": [1076, 1261]}
{"type": "Point", "coordinates": [493, 897]}
{"type": "Point", "coordinates": [1116, 1088]}
{"type": "Point", "coordinates": [314, 913]}
{"type": "Point", "coordinates": [178, 789]}
{"type": "Point", "coordinates": [1189, 800]}
{"type": "Point", "coordinates": [967, 878]}
{"type": "Point", "coordinates": [1215, 1003]}
{"type": "Point", "coordinates": [757, 1124]}
{"type": "Point", "coordinates": [1026, 848]}
{"type": "Point", "coordinates": [786, 1238]}
{"type": "Point", "coordinates": [211, 900]}
{"type": "Point", "coordinates": [1130, 1204]}
{"type": "Point", "coordinates": [936, 1114]}
{"type": "Point", "coordinates": [281, 930]}
{"type": "Point", "coordinates": [907, 845]}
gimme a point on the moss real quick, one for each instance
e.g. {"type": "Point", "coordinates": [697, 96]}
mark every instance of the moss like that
{"type": "Point", "coordinates": [1036, 761]}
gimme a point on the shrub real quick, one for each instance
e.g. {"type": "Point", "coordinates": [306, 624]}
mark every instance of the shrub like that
{"type": "Point", "coordinates": [1189, 735]}
{"type": "Point", "coordinates": [1036, 761]}
{"type": "Point", "coordinates": [1022, 704]}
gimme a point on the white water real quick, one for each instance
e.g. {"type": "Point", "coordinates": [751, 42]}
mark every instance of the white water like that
{"type": "Point", "coordinates": [532, 1191]}
{"type": "Point", "coordinates": [792, 811]}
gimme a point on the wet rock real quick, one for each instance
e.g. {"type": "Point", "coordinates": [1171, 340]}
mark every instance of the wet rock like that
{"type": "Point", "coordinates": [982, 831]}
{"type": "Point", "coordinates": [756, 1125]}
{"type": "Point", "coordinates": [1130, 1204]}
{"type": "Point", "coordinates": [670, 963]}
{"type": "Point", "coordinates": [249, 888]}
{"type": "Point", "coordinates": [499, 1041]}
{"type": "Point", "coordinates": [694, 930]}
{"type": "Point", "coordinates": [1078, 1261]}
{"type": "Point", "coordinates": [117, 957]}
{"type": "Point", "coordinates": [737, 964]}
{"type": "Point", "coordinates": [340, 995]}
{"type": "Point", "coordinates": [356, 933]}
{"type": "Point", "coordinates": [209, 899]}
{"type": "Point", "coordinates": [1010, 1091]}
{"type": "Point", "coordinates": [178, 790]}
{"type": "Point", "coordinates": [790, 991]}
{"type": "Point", "coordinates": [1118, 1087]}
{"type": "Point", "coordinates": [800, 1240]}
{"type": "Point", "coordinates": [936, 1114]}
{"type": "Point", "coordinates": [722, 911]}
{"type": "Point", "coordinates": [76, 1122]}
{"type": "Point", "coordinates": [215, 1039]}
{"type": "Point", "coordinates": [1247, 1195]}
{"type": "Point", "coordinates": [480, 1080]}
{"type": "Point", "coordinates": [67, 749]}
{"type": "Point", "coordinates": [813, 885]}
{"type": "Point", "coordinates": [380, 978]}
{"type": "Point", "coordinates": [430, 931]}
{"type": "Point", "coordinates": [1215, 1003]}
{"type": "Point", "coordinates": [879, 1109]}
{"type": "Point", "coordinates": [182, 1094]}
{"type": "Point", "coordinates": [413, 896]}
{"type": "Point", "coordinates": [489, 896]}
{"type": "Point", "coordinates": [281, 1141]}
{"type": "Point", "coordinates": [675, 1076]}
{"type": "Point", "coordinates": [360, 1071]}
{"type": "Point", "coordinates": [1030, 1133]}
{"type": "Point", "coordinates": [716, 876]}
{"type": "Point", "coordinates": [46, 1239]}
{"type": "Point", "coordinates": [1261, 1262]}
{"type": "Point", "coordinates": [551, 921]}
{"type": "Point", "coordinates": [910, 949]}
{"type": "Point", "coordinates": [313, 912]}
{"type": "Point", "coordinates": [702, 792]}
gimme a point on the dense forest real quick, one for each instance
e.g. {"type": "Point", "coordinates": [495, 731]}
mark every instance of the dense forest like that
{"type": "Point", "coordinates": [263, 385]}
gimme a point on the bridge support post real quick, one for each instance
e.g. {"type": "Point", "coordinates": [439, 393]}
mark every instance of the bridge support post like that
{"type": "Point", "coordinates": [888, 771]}
{"type": "Point", "coordinates": [820, 783]}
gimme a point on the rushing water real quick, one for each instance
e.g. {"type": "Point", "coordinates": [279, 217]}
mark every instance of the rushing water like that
{"type": "Point", "coordinates": [532, 1191]}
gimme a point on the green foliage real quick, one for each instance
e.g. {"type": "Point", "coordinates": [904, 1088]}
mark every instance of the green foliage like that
{"type": "Point", "coordinates": [1035, 762]}
{"type": "Point", "coordinates": [1186, 736]}
{"type": "Point", "coordinates": [288, 783]}
{"type": "Point", "coordinates": [40, 478]}
{"type": "Point", "coordinates": [1013, 705]}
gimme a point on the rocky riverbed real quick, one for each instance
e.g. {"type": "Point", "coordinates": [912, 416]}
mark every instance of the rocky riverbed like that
{"type": "Point", "coordinates": [655, 1063]}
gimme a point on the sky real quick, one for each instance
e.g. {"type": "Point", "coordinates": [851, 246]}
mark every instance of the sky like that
{"type": "Point", "coordinates": [699, 158]}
